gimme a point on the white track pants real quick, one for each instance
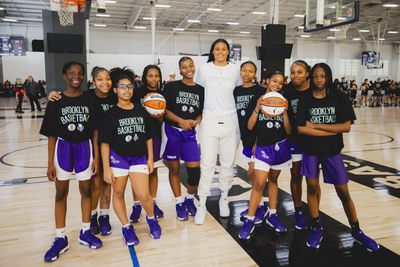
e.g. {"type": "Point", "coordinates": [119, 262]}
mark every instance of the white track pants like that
{"type": "Point", "coordinates": [217, 135]}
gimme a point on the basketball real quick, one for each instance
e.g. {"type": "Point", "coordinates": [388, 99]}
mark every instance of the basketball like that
{"type": "Point", "coordinates": [154, 103]}
{"type": "Point", "coordinates": [273, 104]}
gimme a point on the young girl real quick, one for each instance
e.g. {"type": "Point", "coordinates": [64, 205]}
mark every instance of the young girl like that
{"type": "Point", "coordinates": [364, 93]}
{"type": "Point", "coordinates": [185, 101]}
{"type": "Point", "coordinates": [295, 91]}
{"type": "Point", "coordinates": [71, 125]}
{"type": "Point", "coordinates": [100, 189]}
{"type": "Point", "coordinates": [219, 129]}
{"type": "Point", "coordinates": [127, 151]}
{"type": "Point", "coordinates": [272, 154]}
{"type": "Point", "coordinates": [19, 93]}
{"type": "Point", "coordinates": [152, 80]}
{"type": "Point", "coordinates": [324, 115]}
{"type": "Point", "coordinates": [243, 94]}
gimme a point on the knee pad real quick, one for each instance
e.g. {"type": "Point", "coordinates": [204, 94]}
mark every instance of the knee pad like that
{"type": "Point", "coordinates": [193, 175]}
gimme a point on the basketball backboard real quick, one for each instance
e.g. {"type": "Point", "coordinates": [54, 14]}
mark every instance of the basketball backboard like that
{"type": "Point", "coordinates": [323, 14]}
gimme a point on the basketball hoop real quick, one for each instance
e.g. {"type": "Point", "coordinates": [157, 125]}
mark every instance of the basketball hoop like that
{"type": "Point", "coordinates": [341, 34]}
{"type": "Point", "coordinates": [66, 10]}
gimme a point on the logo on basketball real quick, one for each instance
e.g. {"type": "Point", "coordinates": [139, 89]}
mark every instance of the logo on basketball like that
{"type": "Point", "coordinates": [273, 104]}
{"type": "Point", "coordinates": [71, 127]}
{"type": "Point", "coordinates": [128, 138]}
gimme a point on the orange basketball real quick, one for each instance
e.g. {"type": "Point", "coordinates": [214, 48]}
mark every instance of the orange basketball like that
{"type": "Point", "coordinates": [154, 103]}
{"type": "Point", "coordinates": [273, 104]}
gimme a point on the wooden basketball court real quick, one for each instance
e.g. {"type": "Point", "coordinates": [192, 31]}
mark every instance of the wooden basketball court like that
{"type": "Point", "coordinates": [372, 153]}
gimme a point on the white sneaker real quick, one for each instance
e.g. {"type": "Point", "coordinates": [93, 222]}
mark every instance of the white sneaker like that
{"type": "Point", "coordinates": [200, 214]}
{"type": "Point", "coordinates": [224, 207]}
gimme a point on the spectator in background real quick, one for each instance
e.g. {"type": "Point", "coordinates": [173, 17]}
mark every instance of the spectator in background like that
{"type": "Point", "coordinates": [364, 93]}
{"type": "Point", "coordinates": [7, 89]}
{"type": "Point", "coordinates": [32, 92]}
{"type": "Point", "coordinates": [344, 86]}
{"type": "Point", "coordinates": [19, 92]}
{"type": "Point", "coordinates": [336, 84]}
{"type": "Point", "coordinates": [138, 81]}
{"type": "Point", "coordinates": [353, 93]}
{"type": "Point", "coordinates": [377, 96]}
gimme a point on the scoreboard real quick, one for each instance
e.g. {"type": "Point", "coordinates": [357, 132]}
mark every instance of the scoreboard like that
{"type": "Point", "coordinates": [12, 45]}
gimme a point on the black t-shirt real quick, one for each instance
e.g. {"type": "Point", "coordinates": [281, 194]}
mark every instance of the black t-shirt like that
{"type": "Point", "coordinates": [126, 131]}
{"type": "Point", "coordinates": [185, 101]}
{"type": "Point", "coordinates": [294, 97]}
{"type": "Point", "coordinates": [243, 97]}
{"type": "Point", "coordinates": [334, 108]}
{"type": "Point", "coordinates": [366, 88]}
{"type": "Point", "coordinates": [105, 103]}
{"type": "Point", "coordinates": [72, 118]}
{"type": "Point", "coordinates": [138, 96]}
{"type": "Point", "coordinates": [267, 130]}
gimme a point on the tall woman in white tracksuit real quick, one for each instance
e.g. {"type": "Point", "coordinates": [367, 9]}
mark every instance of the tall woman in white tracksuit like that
{"type": "Point", "coordinates": [219, 130]}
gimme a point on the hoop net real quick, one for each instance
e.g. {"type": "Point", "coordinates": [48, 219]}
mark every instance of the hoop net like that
{"type": "Point", "coordinates": [341, 34]}
{"type": "Point", "coordinates": [66, 10]}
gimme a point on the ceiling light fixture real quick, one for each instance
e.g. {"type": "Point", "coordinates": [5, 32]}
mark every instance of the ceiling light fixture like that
{"type": "Point", "coordinates": [148, 18]}
{"type": "Point", "coordinates": [110, 2]}
{"type": "Point", "coordinates": [305, 36]}
{"type": "Point", "coordinates": [356, 39]}
{"type": "Point", "coordinates": [259, 12]}
{"type": "Point", "coordinates": [245, 32]}
{"type": "Point", "coordinates": [179, 29]}
{"type": "Point", "coordinates": [100, 25]}
{"type": "Point", "coordinates": [213, 31]}
{"type": "Point", "coordinates": [140, 27]}
{"type": "Point", "coordinates": [299, 16]}
{"type": "Point", "coordinates": [392, 32]}
{"type": "Point", "coordinates": [214, 9]}
{"type": "Point", "coordinates": [232, 23]}
{"type": "Point", "coordinates": [162, 6]}
{"type": "Point", "coordinates": [390, 5]}
{"type": "Point", "coordinates": [334, 30]}
{"type": "Point", "coordinates": [331, 37]}
{"type": "Point", "coordinates": [363, 30]}
{"type": "Point", "coordinates": [10, 20]}
{"type": "Point", "coordinates": [102, 15]}
{"type": "Point", "coordinates": [193, 21]}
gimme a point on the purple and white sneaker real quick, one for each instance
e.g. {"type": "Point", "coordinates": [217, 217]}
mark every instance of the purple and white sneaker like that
{"type": "Point", "coordinates": [155, 229]}
{"type": "Point", "coordinates": [88, 239]}
{"type": "Point", "coordinates": [59, 246]}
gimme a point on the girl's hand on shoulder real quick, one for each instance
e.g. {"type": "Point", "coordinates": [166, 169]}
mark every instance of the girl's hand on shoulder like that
{"type": "Point", "coordinates": [54, 96]}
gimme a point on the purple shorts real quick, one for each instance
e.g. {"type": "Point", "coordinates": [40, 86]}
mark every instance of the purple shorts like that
{"type": "Point", "coordinates": [123, 165]}
{"type": "Point", "coordinates": [276, 156]}
{"type": "Point", "coordinates": [333, 168]}
{"type": "Point", "coordinates": [296, 152]}
{"type": "Point", "coordinates": [73, 157]}
{"type": "Point", "coordinates": [181, 144]}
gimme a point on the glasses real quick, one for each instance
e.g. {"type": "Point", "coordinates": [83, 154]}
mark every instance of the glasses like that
{"type": "Point", "coordinates": [125, 86]}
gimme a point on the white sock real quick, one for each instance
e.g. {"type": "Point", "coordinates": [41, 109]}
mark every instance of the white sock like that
{"type": "Point", "coordinates": [60, 232]}
{"type": "Point", "coordinates": [93, 212]}
{"type": "Point", "coordinates": [126, 225]}
{"type": "Point", "coordinates": [190, 196]}
{"type": "Point", "coordinates": [179, 200]}
{"type": "Point", "coordinates": [271, 211]}
{"type": "Point", "coordinates": [104, 212]}
{"type": "Point", "coordinates": [261, 202]}
{"type": "Point", "coordinates": [150, 218]}
{"type": "Point", "coordinates": [251, 218]}
{"type": "Point", "coordinates": [136, 202]}
{"type": "Point", "coordinates": [85, 226]}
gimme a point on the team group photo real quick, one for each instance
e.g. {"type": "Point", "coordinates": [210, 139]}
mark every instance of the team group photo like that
{"type": "Point", "coordinates": [203, 133]}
